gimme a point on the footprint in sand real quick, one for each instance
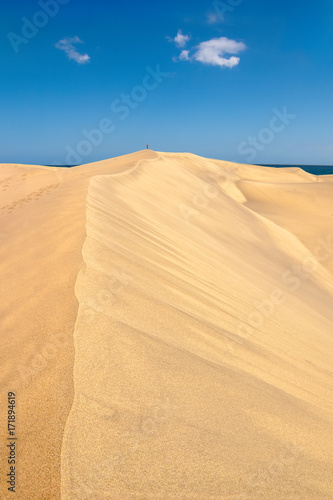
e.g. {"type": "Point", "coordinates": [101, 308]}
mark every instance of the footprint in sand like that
{"type": "Point", "coordinates": [29, 198]}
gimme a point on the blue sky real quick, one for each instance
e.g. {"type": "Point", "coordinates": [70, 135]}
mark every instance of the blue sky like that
{"type": "Point", "coordinates": [245, 81]}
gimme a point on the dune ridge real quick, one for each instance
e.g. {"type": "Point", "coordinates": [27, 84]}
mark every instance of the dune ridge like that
{"type": "Point", "coordinates": [167, 327]}
{"type": "Point", "coordinates": [203, 339]}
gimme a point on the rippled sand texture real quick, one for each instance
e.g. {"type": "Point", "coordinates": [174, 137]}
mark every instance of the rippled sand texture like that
{"type": "Point", "coordinates": [42, 230]}
{"type": "Point", "coordinates": [203, 339]}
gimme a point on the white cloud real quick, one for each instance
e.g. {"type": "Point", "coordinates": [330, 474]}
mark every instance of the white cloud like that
{"type": "Point", "coordinates": [213, 52]}
{"type": "Point", "coordinates": [184, 55]}
{"type": "Point", "coordinates": [68, 46]}
{"type": "Point", "coordinates": [180, 40]}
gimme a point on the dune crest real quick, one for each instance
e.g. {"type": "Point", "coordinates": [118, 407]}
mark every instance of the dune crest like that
{"type": "Point", "coordinates": [203, 339]}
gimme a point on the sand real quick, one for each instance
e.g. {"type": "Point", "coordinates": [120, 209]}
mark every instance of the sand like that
{"type": "Point", "coordinates": [167, 328]}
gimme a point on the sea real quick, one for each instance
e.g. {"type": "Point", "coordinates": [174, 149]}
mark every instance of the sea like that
{"type": "Point", "coordinates": [311, 169]}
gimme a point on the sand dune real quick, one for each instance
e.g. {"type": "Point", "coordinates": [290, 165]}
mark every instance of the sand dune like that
{"type": "Point", "coordinates": [188, 302]}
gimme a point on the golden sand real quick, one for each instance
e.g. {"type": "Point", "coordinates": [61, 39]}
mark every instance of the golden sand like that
{"type": "Point", "coordinates": [167, 328]}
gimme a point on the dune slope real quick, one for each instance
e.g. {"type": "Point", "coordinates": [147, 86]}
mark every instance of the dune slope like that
{"type": "Point", "coordinates": [188, 306]}
{"type": "Point", "coordinates": [202, 362]}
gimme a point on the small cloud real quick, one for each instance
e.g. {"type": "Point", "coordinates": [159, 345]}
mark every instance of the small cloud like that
{"type": "Point", "coordinates": [184, 55]}
{"type": "Point", "coordinates": [180, 40]}
{"type": "Point", "coordinates": [68, 46]}
{"type": "Point", "coordinates": [213, 52]}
